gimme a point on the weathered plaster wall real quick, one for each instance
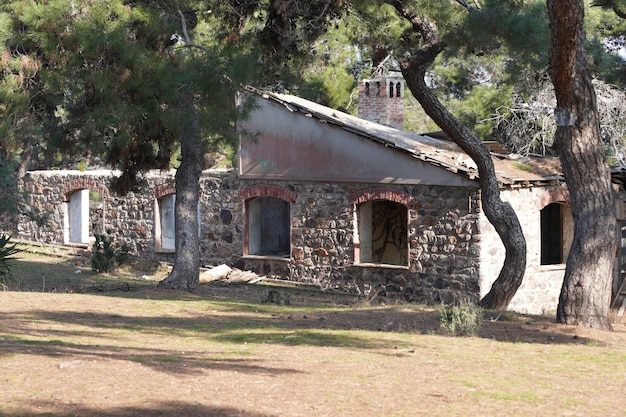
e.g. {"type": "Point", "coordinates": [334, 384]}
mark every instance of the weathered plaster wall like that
{"type": "Point", "coordinates": [539, 292]}
{"type": "Point", "coordinates": [442, 230]}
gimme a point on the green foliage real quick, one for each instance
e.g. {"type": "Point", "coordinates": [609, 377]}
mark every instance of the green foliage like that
{"type": "Point", "coordinates": [94, 196]}
{"type": "Point", "coordinates": [106, 80]}
{"type": "Point", "coordinates": [606, 32]}
{"type": "Point", "coordinates": [514, 29]}
{"type": "Point", "coordinates": [478, 105]}
{"type": "Point", "coordinates": [329, 79]}
{"type": "Point", "coordinates": [463, 320]}
{"type": "Point", "coordinates": [7, 251]}
{"type": "Point", "coordinates": [107, 255]}
{"type": "Point", "coordinates": [415, 118]}
{"type": "Point", "coordinates": [8, 187]}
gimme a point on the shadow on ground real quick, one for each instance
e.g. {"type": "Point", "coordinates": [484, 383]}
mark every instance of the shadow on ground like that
{"type": "Point", "coordinates": [178, 409]}
{"type": "Point", "coordinates": [240, 317]}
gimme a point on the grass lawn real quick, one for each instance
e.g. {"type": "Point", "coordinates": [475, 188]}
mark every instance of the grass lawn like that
{"type": "Point", "coordinates": [87, 344]}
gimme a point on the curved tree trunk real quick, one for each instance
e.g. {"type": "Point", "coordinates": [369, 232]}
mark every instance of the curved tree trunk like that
{"type": "Point", "coordinates": [185, 273]}
{"type": "Point", "coordinates": [586, 292]}
{"type": "Point", "coordinates": [500, 214]}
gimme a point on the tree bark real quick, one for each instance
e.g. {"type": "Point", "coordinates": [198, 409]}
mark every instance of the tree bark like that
{"type": "Point", "coordinates": [586, 292]}
{"type": "Point", "coordinates": [500, 214]}
{"type": "Point", "coordinates": [185, 273]}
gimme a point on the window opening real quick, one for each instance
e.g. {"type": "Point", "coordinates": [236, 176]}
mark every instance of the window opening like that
{"type": "Point", "coordinates": [167, 222]}
{"type": "Point", "coordinates": [391, 90]}
{"type": "Point", "coordinates": [556, 233]}
{"type": "Point", "coordinates": [367, 89]}
{"type": "Point", "coordinates": [377, 88]}
{"type": "Point", "coordinates": [78, 217]}
{"type": "Point", "coordinates": [383, 233]}
{"type": "Point", "coordinates": [269, 227]}
{"type": "Point", "coordinates": [398, 89]}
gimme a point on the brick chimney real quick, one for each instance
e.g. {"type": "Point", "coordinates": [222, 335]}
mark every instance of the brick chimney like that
{"type": "Point", "coordinates": [381, 100]}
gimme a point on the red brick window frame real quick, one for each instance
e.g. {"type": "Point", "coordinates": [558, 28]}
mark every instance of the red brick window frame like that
{"type": "Point", "coordinates": [162, 190]}
{"type": "Point", "coordinates": [84, 183]}
{"type": "Point", "coordinates": [267, 220]}
{"type": "Point", "coordinates": [382, 224]}
{"type": "Point", "coordinates": [77, 214]}
{"type": "Point", "coordinates": [267, 190]}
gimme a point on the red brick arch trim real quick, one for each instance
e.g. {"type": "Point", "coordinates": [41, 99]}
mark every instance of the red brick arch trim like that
{"type": "Point", "coordinates": [371, 194]}
{"type": "Point", "coordinates": [83, 183]}
{"type": "Point", "coordinates": [163, 189]}
{"type": "Point", "coordinates": [552, 196]}
{"type": "Point", "coordinates": [267, 190]}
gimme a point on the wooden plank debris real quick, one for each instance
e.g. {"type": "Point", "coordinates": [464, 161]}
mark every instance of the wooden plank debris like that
{"type": "Point", "coordinates": [225, 274]}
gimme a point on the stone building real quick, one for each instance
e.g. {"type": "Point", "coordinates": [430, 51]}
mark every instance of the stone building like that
{"type": "Point", "coordinates": [323, 197]}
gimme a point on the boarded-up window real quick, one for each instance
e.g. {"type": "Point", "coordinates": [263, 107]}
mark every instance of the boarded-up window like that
{"type": "Point", "coordinates": [383, 233]}
{"type": "Point", "coordinates": [269, 231]}
{"type": "Point", "coordinates": [557, 232]}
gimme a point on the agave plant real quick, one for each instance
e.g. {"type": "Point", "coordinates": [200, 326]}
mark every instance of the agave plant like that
{"type": "Point", "coordinates": [7, 250]}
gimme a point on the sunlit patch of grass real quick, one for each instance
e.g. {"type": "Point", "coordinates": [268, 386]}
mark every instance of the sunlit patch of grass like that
{"type": "Point", "coordinates": [468, 384]}
{"type": "Point", "coordinates": [528, 396]}
{"type": "Point", "coordinates": [522, 167]}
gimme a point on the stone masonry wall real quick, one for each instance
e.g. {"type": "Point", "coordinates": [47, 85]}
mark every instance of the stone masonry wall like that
{"type": "Point", "coordinates": [443, 232]}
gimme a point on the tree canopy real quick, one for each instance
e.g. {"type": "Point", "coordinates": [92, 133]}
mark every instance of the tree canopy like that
{"type": "Point", "coordinates": [101, 82]}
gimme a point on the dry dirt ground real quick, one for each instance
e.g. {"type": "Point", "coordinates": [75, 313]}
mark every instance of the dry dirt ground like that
{"type": "Point", "coordinates": [94, 346]}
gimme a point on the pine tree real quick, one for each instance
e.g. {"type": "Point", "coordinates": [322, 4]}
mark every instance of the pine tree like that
{"type": "Point", "coordinates": [586, 292]}
{"type": "Point", "coordinates": [125, 84]}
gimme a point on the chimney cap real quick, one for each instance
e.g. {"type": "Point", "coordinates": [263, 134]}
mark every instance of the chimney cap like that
{"type": "Point", "coordinates": [395, 76]}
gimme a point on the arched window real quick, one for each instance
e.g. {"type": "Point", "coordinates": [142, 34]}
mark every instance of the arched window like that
{"type": "Point", "coordinates": [377, 88]}
{"type": "Point", "coordinates": [268, 227]}
{"type": "Point", "coordinates": [398, 89]}
{"type": "Point", "coordinates": [557, 232]}
{"type": "Point", "coordinates": [391, 89]}
{"type": "Point", "coordinates": [84, 209]}
{"type": "Point", "coordinates": [367, 89]}
{"type": "Point", "coordinates": [383, 232]}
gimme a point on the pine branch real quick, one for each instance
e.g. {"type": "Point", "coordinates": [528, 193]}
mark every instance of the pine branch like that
{"type": "Point", "coordinates": [188, 42]}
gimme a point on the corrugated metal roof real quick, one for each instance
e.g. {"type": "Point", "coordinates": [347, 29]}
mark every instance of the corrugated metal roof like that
{"type": "Point", "coordinates": [510, 170]}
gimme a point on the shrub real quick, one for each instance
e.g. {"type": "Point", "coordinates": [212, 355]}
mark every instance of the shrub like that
{"type": "Point", "coordinates": [106, 255]}
{"type": "Point", "coordinates": [7, 250]}
{"type": "Point", "coordinates": [464, 319]}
